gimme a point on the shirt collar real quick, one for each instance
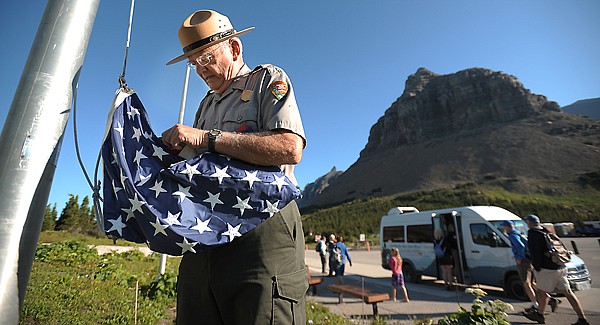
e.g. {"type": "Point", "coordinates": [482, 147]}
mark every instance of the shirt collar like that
{"type": "Point", "coordinates": [237, 83]}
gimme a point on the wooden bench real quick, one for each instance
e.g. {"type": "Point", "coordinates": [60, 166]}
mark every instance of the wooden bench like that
{"type": "Point", "coordinates": [366, 295]}
{"type": "Point", "coordinates": [313, 282]}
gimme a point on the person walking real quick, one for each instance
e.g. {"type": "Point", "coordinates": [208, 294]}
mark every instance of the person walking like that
{"type": "Point", "coordinates": [395, 263]}
{"type": "Point", "coordinates": [550, 277]}
{"type": "Point", "coordinates": [518, 244]}
{"type": "Point", "coordinates": [340, 263]}
{"type": "Point", "coordinates": [250, 115]}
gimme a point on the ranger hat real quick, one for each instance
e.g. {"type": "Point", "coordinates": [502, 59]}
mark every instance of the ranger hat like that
{"type": "Point", "coordinates": [202, 29]}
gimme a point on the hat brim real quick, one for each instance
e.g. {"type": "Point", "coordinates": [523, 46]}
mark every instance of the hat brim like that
{"type": "Point", "coordinates": [196, 50]}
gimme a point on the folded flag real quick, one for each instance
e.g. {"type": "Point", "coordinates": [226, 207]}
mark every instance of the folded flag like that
{"type": "Point", "coordinates": [174, 205]}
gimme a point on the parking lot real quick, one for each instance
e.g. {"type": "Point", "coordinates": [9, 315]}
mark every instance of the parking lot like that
{"type": "Point", "coordinates": [430, 299]}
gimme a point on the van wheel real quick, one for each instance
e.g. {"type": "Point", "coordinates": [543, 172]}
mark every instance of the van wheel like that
{"type": "Point", "coordinates": [409, 273]}
{"type": "Point", "coordinates": [514, 288]}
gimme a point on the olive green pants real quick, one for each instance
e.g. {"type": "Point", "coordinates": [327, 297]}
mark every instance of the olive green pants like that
{"type": "Point", "coordinates": [259, 278]}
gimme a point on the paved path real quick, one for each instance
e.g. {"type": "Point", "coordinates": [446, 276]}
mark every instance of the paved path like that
{"type": "Point", "coordinates": [428, 299]}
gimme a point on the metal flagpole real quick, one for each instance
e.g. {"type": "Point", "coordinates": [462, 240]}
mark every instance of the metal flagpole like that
{"type": "Point", "coordinates": [163, 258]}
{"type": "Point", "coordinates": [31, 137]}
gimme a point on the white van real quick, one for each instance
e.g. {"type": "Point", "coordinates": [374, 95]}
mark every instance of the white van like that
{"type": "Point", "coordinates": [482, 251]}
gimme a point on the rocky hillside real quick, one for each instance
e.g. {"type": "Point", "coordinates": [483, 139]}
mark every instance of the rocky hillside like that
{"type": "Point", "coordinates": [464, 127]}
{"type": "Point", "coordinates": [312, 190]}
{"type": "Point", "coordinates": [585, 107]}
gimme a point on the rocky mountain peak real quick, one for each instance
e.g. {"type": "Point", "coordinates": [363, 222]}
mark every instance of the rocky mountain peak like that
{"type": "Point", "coordinates": [459, 128]}
{"type": "Point", "coordinates": [416, 82]}
{"type": "Point", "coordinates": [434, 105]}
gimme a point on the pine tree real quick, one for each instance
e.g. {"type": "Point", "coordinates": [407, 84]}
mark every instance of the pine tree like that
{"type": "Point", "coordinates": [69, 215]}
{"type": "Point", "coordinates": [49, 218]}
{"type": "Point", "coordinates": [78, 218]}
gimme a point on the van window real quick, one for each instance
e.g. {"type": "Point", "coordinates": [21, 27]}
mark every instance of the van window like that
{"type": "Point", "coordinates": [419, 234]}
{"type": "Point", "coordinates": [393, 234]}
{"type": "Point", "coordinates": [482, 234]}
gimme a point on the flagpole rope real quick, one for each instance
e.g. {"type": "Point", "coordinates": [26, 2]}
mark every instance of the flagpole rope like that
{"type": "Point", "coordinates": [122, 81]}
{"type": "Point", "coordinates": [95, 186]}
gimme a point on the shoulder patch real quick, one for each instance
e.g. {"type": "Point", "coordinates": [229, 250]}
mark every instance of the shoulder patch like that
{"type": "Point", "coordinates": [278, 89]}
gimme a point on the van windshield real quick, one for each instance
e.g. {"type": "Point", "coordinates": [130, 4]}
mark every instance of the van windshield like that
{"type": "Point", "coordinates": [520, 225]}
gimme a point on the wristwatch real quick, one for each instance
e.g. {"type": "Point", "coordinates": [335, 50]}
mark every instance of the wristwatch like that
{"type": "Point", "coordinates": [212, 139]}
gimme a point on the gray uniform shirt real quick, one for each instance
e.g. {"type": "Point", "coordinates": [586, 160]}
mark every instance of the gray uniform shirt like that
{"type": "Point", "coordinates": [257, 100]}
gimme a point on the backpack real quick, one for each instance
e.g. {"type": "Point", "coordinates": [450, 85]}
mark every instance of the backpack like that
{"type": "Point", "coordinates": [337, 254]}
{"type": "Point", "coordinates": [557, 251]}
{"type": "Point", "coordinates": [318, 247]}
{"type": "Point", "coordinates": [438, 249]}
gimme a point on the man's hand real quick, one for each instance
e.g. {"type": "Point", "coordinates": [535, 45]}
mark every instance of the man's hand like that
{"type": "Point", "coordinates": [180, 135]}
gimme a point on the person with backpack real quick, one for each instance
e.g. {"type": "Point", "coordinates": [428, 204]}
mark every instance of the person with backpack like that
{"type": "Point", "coordinates": [443, 255]}
{"type": "Point", "coordinates": [321, 248]}
{"type": "Point", "coordinates": [550, 273]}
{"type": "Point", "coordinates": [395, 263]}
{"type": "Point", "coordinates": [340, 254]}
{"type": "Point", "coordinates": [518, 244]}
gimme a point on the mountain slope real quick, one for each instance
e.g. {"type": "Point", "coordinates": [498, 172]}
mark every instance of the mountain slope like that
{"type": "Point", "coordinates": [585, 107]}
{"type": "Point", "coordinates": [450, 129]}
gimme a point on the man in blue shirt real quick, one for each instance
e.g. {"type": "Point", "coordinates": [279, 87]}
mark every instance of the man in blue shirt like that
{"type": "Point", "coordinates": [518, 244]}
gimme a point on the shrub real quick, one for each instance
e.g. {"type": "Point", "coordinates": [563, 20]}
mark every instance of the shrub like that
{"type": "Point", "coordinates": [492, 312]}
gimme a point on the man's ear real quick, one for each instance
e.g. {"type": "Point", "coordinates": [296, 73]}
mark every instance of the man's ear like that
{"type": "Point", "coordinates": [236, 48]}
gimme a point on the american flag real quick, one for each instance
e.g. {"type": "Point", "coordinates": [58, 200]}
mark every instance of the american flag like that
{"type": "Point", "coordinates": [179, 206]}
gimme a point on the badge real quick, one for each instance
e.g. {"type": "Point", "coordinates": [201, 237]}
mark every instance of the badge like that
{"type": "Point", "coordinates": [246, 94]}
{"type": "Point", "coordinates": [279, 89]}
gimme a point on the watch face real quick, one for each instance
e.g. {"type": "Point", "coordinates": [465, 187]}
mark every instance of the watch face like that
{"type": "Point", "coordinates": [214, 133]}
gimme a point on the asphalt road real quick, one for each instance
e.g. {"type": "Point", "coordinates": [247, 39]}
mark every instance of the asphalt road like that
{"type": "Point", "coordinates": [429, 298]}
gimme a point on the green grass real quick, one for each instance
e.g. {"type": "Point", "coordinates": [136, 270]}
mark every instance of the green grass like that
{"type": "Point", "coordinates": [53, 236]}
{"type": "Point", "coordinates": [72, 284]}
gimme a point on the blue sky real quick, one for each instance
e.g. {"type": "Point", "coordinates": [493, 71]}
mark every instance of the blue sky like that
{"type": "Point", "coordinates": [348, 61]}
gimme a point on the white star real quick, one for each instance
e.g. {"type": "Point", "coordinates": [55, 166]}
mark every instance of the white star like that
{"type": "Point", "coordinates": [187, 246]}
{"type": "Point", "coordinates": [190, 171]}
{"type": "Point", "coordinates": [129, 212]}
{"type": "Point", "coordinates": [136, 204]}
{"type": "Point", "coordinates": [123, 177]}
{"type": "Point", "coordinates": [183, 192]}
{"type": "Point", "coordinates": [158, 187]}
{"type": "Point", "coordinates": [158, 152]}
{"type": "Point", "coordinates": [134, 111]}
{"type": "Point", "coordinates": [271, 208]}
{"type": "Point", "coordinates": [137, 133]}
{"type": "Point", "coordinates": [213, 199]}
{"type": "Point", "coordinates": [147, 135]}
{"type": "Point", "coordinates": [280, 182]}
{"type": "Point", "coordinates": [139, 156]}
{"type": "Point", "coordinates": [114, 157]}
{"type": "Point", "coordinates": [173, 219]}
{"type": "Point", "coordinates": [116, 188]}
{"type": "Point", "coordinates": [232, 232]}
{"type": "Point", "coordinates": [119, 129]}
{"type": "Point", "coordinates": [242, 204]}
{"type": "Point", "coordinates": [118, 225]}
{"type": "Point", "coordinates": [201, 226]}
{"type": "Point", "coordinates": [143, 179]}
{"type": "Point", "coordinates": [251, 177]}
{"type": "Point", "coordinates": [159, 228]}
{"type": "Point", "coordinates": [221, 173]}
